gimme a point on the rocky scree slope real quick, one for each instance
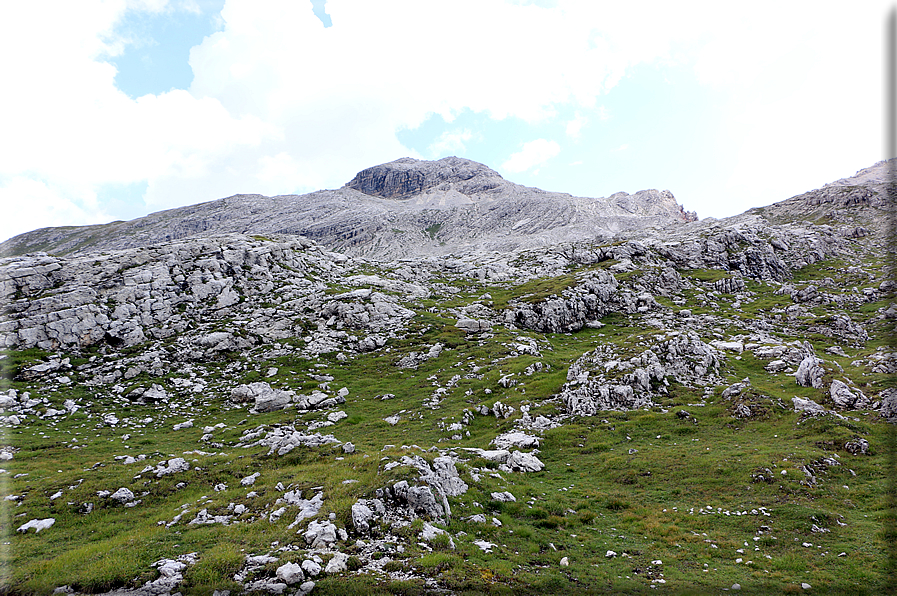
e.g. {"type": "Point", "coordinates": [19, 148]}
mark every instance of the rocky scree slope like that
{"type": "Point", "coordinates": [703, 405]}
{"type": "Point", "coordinates": [385, 212]}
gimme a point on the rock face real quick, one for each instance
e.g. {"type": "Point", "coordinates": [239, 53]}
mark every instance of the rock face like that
{"type": "Point", "coordinates": [181, 289]}
{"type": "Point", "coordinates": [408, 177]}
{"type": "Point", "coordinates": [586, 302]}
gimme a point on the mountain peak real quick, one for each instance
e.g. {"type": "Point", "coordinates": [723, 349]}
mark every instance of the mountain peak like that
{"type": "Point", "coordinates": [408, 177]}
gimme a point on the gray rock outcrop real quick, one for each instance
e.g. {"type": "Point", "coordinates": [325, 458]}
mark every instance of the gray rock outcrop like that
{"type": "Point", "coordinates": [846, 398]}
{"type": "Point", "coordinates": [810, 372]}
{"type": "Point", "coordinates": [599, 380]}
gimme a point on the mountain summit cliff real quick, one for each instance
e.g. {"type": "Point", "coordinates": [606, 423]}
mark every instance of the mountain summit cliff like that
{"type": "Point", "coordinates": [407, 177]}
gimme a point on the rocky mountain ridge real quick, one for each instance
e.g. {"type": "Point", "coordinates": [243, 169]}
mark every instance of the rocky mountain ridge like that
{"type": "Point", "coordinates": [439, 207]}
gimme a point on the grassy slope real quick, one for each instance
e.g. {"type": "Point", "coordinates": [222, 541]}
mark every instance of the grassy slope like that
{"type": "Point", "coordinates": [594, 495]}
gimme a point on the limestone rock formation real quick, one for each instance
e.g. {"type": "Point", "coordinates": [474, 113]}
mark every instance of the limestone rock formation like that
{"type": "Point", "coordinates": [386, 211]}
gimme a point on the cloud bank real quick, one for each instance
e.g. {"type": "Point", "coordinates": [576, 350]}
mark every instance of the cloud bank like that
{"type": "Point", "coordinates": [533, 154]}
{"type": "Point", "coordinates": [280, 104]}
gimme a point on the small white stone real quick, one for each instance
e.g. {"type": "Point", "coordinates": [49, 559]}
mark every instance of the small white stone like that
{"type": "Point", "coordinates": [310, 567]}
{"type": "Point", "coordinates": [337, 564]}
{"type": "Point", "coordinates": [37, 525]}
{"type": "Point", "coordinates": [290, 573]}
{"type": "Point", "coordinates": [123, 495]}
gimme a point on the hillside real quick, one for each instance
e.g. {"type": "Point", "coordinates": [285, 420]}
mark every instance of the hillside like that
{"type": "Point", "coordinates": [673, 408]}
{"type": "Point", "coordinates": [385, 212]}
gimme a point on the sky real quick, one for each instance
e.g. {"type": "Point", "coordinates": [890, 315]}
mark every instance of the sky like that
{"type": "Point", "coordinates": [113, 109]}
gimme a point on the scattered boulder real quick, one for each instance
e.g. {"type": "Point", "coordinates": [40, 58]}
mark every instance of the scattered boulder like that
{"type": "Point", "coordinates": [284, 439]}
{"type": "Point", "coordinates": [515, 439]}
{"type": "Point", "coordinates": [524, 462]}
{"type": "Point", "coordinates": [810, 372]}
{"type": "Point", "coordinates": [845, 399]}
{"type": "Point", "coordinates": [156, 393]}
{"type": "Point", "coordinates": [501, 410]}
{"type": "Point", "coordinates": [888, 408]}
{"type": "Point", "coordinates": [729, 285]}
{"type": "Point", "coordinates": [308, 508]}
{"type": "Point", "coordinates": [445, 477]}
{"type": "Point", "coordinates": [807, 406]}
{"type": "Point", "coordinates": [320, 534]}
{"type": "Point", "coordinates": [473, 325]}
{"type": "Point", "coordinates": [265, 397]}
{"type": "Point", "coordinates": [364, 512]}
{"type": "Point", "coordinates": [172, 466]}
{"type": "Point", "coordinates": [776, 366]}
{"type": "Point", "coordinates": [337, 564]}
{"type": "Point", "coordinates": [414, 359]}
{"type": "Point", "coordinates": [430, 532]}
{"type": "Point", "coordinates": [857, 446]}
{"type": "Point", "coordinates": [736, 389]}
{"type": "Point", "coordinates": [418, 499]}
{"type": "Point", "coordinates": [311, 567]}
{"type": "Point", "coordinates": [290, 573]}
{"type": "Point", "coordinates": [122, 495]}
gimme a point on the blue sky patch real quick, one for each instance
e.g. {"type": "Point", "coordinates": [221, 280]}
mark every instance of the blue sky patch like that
{"type": "Point", "coordinates": [125, 200]}
{"type": "Point", "coordinates": [157, 58]}
{"type": "Point", "coordinates": [320, 10]}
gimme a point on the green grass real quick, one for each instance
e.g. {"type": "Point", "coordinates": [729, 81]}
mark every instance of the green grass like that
{"type": "Point", "coordinates": [593, 496]}
{"type": "Point", "coordinates": [433, 230]}
{"type": "Point", "coordinates": [531, 291]}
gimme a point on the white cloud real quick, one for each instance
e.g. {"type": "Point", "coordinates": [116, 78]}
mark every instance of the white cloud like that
{"type": "Point", "coordinates": [803, 106]}
{"type": "Point", "coordinates": [450, 142]}
{"type": "Point", "coordinates": [534, 153]}
{"type": "Point", "coordinates": [29, 204]}
{"type": "Point", "coordinates": [574, 126]}
{"type": "Point", "coordinates": [74, 131]}
{"type": "Point", "coordinates": [281, 103]}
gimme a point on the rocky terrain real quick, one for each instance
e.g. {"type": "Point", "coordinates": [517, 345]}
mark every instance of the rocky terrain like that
{"type": "Point", "coordinates": [568, 395]}
{"type": "Point", "coordinates": [388, 211]}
